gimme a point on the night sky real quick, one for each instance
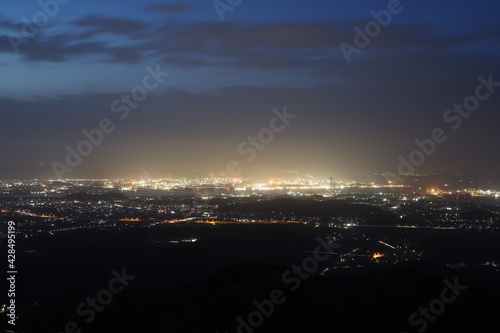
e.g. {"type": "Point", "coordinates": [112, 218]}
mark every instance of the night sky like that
{"type": "Point", "coordinates": [226, 77]}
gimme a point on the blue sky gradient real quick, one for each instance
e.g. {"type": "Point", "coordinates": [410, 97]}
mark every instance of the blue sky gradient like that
{"type": "Point", "coordinates": [226, 77]}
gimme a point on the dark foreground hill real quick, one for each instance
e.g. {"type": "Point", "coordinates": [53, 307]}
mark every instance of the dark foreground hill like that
{"type": "Point", "coordinates": [380, 301]}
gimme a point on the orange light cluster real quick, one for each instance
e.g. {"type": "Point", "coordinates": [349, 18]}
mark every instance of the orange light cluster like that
{"type": "Point", "coordinates": [377, 255]}
{"type": "Point", "coordinates": [214, 222]}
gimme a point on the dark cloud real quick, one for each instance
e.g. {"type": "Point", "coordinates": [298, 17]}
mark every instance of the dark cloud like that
{"type": "Point", "coordinates": [101, 24]}
{"type": "Point", "coordinates": [65, 48]}
{"type": "Point", "coordinates": [260, 45]}
{"type": "Point", "coordinates": [169, 8]}
{"type": "Point", "coordinates": [303, 46]}
{"type": "Point", "coordinates": [7, 24]}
